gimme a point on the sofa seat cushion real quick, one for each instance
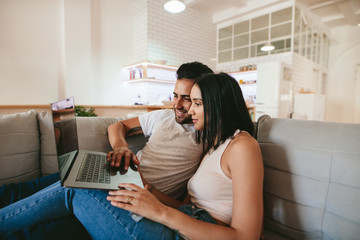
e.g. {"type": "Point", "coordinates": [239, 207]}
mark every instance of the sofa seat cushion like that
{"type": "Point", "coordinates": [19, 147]}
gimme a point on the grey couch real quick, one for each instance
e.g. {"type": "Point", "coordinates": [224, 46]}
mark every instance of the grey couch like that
{"type": "Point", "coordinates": [312, 169]}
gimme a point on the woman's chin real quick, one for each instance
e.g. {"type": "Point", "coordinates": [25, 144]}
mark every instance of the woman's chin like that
{"type": "Point", "coordinates": [199, 128]}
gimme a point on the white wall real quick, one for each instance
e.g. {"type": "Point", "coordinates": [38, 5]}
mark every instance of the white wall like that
{"type": "Point", "coordinates": [52, 49]}
{"type": "Point", "coordinates": [29, 42]}
{"type": "Point", "coordinates": [340, 92]}
{"type": "Point", "coordinates": [58, 48]}
{"type": "Point", "coordinates": [98, 41]}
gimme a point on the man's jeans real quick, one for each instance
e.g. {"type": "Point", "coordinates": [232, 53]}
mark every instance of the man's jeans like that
{"type": "Point", "coordinates": [62, 228]}
{"type": "Point", "coordinates": [97, 215]}
{"type": "Point", "coordinates": [14, 192]}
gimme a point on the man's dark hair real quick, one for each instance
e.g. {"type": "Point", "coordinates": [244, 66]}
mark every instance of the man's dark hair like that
{"type": "Point", "coordinates": [192, 70]}
{"type": "Point", "coordinates": [225, 109]}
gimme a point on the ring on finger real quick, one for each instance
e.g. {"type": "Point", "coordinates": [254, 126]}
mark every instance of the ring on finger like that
{"type": "Point", "coordinates": [129, 199]}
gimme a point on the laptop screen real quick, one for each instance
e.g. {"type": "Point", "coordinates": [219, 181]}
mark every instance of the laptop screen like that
{"type": "Point", "coordinates": [64, 119]}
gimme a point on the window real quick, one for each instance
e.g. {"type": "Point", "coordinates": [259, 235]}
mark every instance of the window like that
{"type": "Point", "coordinates": [244, 39]}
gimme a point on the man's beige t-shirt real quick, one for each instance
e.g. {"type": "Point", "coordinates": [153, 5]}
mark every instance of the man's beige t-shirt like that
{"type": "Point", "coordinates": [171, 156]}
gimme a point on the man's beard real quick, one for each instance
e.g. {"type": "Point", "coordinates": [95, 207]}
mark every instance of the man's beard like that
{"type": "Point", "coordinates": [184, 119]}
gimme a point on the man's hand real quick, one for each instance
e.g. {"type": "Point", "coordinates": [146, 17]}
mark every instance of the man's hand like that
{"type": "Point", "coordinates": [123, 158]}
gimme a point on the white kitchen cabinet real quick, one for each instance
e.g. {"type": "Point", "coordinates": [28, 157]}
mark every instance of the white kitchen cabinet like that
{"type": "Point", "coordinates": [273, 93]}
{"type": "Point", "coordinates": [309, 106]}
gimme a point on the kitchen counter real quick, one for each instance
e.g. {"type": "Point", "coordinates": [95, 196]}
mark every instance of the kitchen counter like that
{"type": "Point", "coordinates": [100, 110]}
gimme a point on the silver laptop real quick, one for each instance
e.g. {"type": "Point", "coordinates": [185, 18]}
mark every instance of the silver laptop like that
{"type": "Point", "coordinates": [83, 168]}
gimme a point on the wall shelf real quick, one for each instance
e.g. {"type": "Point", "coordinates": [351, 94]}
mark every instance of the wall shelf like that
{"type": "Point", "coordinates": [143, 80]}
{"type": "Point", "coordinates": [151, 72]}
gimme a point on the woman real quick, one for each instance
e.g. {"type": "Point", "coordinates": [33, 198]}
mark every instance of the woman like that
{"type": "Point", "coordinates": [228, 183]}
{"type": "Point", "coordinates": [225, 194]}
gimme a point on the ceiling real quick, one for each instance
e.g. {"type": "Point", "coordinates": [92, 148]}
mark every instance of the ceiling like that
{"type": "Point", "coordinates": [332, 13]}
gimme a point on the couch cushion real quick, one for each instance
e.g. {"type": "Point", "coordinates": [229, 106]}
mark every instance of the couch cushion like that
{"type": "Point", "coordinates": [48, 156]}
{"type": "Point", "coordinates": [311, 184]}
{"type": "Point", "coordinates": [92, 132]}
{"type": "Point", "coordinates": [19, 147]}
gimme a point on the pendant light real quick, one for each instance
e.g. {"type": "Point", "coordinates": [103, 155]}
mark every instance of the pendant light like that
{"type": "Point", "coordinates": [267, 47]}
{"type": "Point", "coordinates": [174, 6]}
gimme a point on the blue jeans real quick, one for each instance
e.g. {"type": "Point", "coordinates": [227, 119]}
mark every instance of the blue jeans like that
{"type": "Point", "coordinates": [68, 227]}
{"type": "Point", "coordinates": [14, 192]}
{"type": "Point", "coordinates": [98, 216]}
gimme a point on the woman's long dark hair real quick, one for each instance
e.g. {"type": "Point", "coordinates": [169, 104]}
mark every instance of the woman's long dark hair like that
{"type": "Point", "coordinates": [225, 110]}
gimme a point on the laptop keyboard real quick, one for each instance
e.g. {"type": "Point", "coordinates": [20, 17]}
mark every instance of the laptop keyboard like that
{"type": "Point", "coordinates": [92, 169]}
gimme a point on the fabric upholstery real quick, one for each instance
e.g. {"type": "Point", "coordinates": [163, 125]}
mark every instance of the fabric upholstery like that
{"type": "Point", "coordinates": [312, 169]}
{"type": "Point", "coordinates": [48, 156]}
{"type": "Point", "coordinates": [19, 147]}
{"type": "Point", "coordinates": [92, 132]}
{"type": "Point", "coordinates": [311, 185]}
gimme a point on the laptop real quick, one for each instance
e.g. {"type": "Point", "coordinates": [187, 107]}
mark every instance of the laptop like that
{"type": "Point", "coordinates": [80, 168]}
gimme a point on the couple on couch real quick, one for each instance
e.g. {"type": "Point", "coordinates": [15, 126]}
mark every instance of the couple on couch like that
{"type": "Point", "coordinates": [212, 128]}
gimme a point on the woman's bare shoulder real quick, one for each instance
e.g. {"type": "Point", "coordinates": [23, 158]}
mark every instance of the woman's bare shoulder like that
{"type": "Point", "coordinates": [243, 149]}
{"type": "Point", "coordinates": [243, 140]}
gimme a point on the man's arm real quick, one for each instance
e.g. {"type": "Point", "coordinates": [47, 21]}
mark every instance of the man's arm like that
{"type": "Point", "coordinates": [117, 134]}
{"type": "Point", "coordinates": [117, 137]}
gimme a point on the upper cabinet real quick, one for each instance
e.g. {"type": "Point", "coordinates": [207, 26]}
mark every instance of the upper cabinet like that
{"type": "Point", "coordinates": [244, 39]}
{"type": "Point", "coordinates": [288, 30]}
{"type": "Point", "coordinates": [151, 72]}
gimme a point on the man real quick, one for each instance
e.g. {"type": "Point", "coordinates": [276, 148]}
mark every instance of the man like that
{"type": "Point", "coordinates": [171, 156]}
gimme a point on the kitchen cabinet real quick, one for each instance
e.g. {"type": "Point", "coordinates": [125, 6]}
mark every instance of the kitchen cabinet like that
{"type": "Point", "coordinates": [309, 106]}
{"type": "Point", "coordinates": [273, 93]}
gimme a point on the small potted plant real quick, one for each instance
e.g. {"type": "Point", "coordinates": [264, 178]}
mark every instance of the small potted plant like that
{"type": "Point", "coordinates": [81, 111]}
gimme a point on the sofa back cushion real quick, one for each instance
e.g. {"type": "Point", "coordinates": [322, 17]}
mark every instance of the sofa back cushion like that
{"type": "Point", "coordinates": [48, 156]}
{"type": "Point", "coordinates": [92, 132]}
{"type": "Point", "coordinates": [92, 135]}
{"type": "Point", "coordinates": [312, 184]}
{"type": "Point", "coordinates": [19, 147]}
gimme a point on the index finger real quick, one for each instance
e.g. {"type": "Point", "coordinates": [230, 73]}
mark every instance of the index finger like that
{"type": "Point", "coordinates": [109, 155]}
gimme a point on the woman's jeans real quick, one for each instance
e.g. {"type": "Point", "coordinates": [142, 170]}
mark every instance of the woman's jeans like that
{"type": "Point", "coordinates": [97, 215]}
